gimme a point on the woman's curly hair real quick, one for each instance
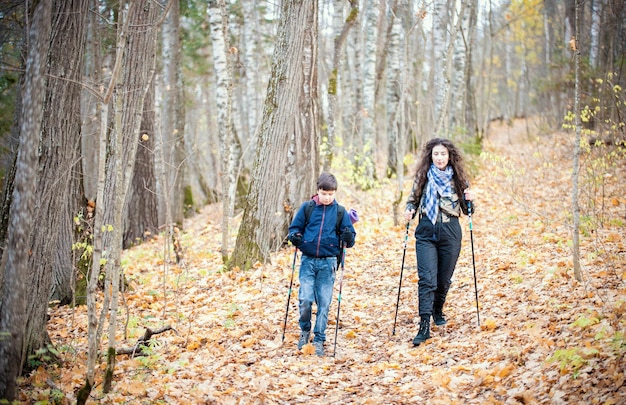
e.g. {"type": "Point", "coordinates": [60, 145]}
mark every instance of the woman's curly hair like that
{"type": "Point", "coordinates": [460, 178]}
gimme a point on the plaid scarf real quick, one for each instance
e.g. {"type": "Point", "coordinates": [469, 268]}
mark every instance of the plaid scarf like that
{"type": "Point", "coordinates": [439, 182]}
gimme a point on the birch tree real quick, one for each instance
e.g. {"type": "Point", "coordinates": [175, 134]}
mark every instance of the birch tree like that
{"type": "Point", "coordinates": [460, 75]}
{"type": "Point", "coordinates": [171, 146]}
{"type": "Point", "coordinates": [223, 96]}
{"type": "Point", "coordinates": [577, 139]}
{"type": "Point", "coordinates": [13, 307]}
{"type": "Point", "coordinates": [394, 90]}
{"type": "Point", "coordinates": [364, 164]}
{"type": "Point", "coordinates": [442, 125]}
{"type": "Point", "coordinates": [341, 28]}
{"type": "Point", "coordinates": [287, 118]}
{"type": "Point", "coordinates": [438, 60]}
{"type": "Point", "coordinates": [469, 111]}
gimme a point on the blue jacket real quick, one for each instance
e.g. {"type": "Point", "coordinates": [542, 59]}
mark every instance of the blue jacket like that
{"type": "Point", "coordinates": [319, 236]}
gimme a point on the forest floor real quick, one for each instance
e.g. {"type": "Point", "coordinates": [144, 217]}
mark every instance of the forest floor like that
{"type": "Point", "coordinates": [544, 338]}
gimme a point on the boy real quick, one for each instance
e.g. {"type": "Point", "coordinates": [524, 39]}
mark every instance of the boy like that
{"type": "Point", "coordinates": [320, 238]}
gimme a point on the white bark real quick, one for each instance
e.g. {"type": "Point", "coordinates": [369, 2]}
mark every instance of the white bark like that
{"type": "Point", "coordinates": [172, 121]}
{"type": "Point", "coordinates": [394, 89]}
{"type": "Point", "coordinates": [594, 45]}
{"type": "Point", "coordinates": [438, 57]}
{"type": "Point", "coordinates": [223, 91]}
{"type": "Point", "coordinates": [577, 152]}
{"type": "Point", "coordinates": [459, 89]}
{"type": "Point", "coordinates": [335, 80]}
{"type": "Point", "coordinates": [442, 126]}
{"type": "Point", "coordinates": [369, 91]}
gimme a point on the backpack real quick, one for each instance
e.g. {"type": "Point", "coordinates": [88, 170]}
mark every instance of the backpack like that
{"type": "Point", "coordinates": [308, 209]}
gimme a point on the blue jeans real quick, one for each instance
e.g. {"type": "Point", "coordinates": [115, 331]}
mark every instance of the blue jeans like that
{"type": "Point", "coordinates": [317, 278]}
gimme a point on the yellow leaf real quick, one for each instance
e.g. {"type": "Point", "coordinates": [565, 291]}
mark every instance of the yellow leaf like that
{"type": "Point", "coordinates": [613, 237]}
{"type": "Point", "coordinates": [442, 379]}
{"type": "Point", "coordinates": [134, 387]}
{"type": "Point", "coordinates": [489, 324]}
{"type": "Point", "coordinates": [193, 345]}
{"type": "Point", "coordinates": [249, 342]}
{"type": "Point", "coordinates": [308, 349]}
{"type": "Point", "coordinates": [351, 335]}
{"type": "Point", "coordinates": [505, 371]}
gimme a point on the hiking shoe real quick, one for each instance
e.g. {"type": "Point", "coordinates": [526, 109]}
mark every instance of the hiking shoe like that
{"type": "Point", "coordinates": [304, 339]}
{"type": "Point", "coordinates": [439, 318]}
{"type": "Point", "coordinates": [424, 332]}
{"type": "Point", "coordinates": [319, 348]}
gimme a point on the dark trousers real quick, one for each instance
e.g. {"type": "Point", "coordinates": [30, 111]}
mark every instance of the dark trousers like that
{"type": "Point", "coordinates": [437, 248]}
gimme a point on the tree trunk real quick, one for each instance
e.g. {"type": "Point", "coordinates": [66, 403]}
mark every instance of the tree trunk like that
{"type": "Point", "coordinates": [303, 159]}
{"type": "Point", "coordinates": [438, 61]}
{"type": "Point", "coordinates": [129, 97]}
{"type": "Point", "coordinates": [442, 125]}
{"type": "Point", "coordinates": [218, 22]}
{"type": "Point", "coordinates": [13, 315]}
{"type": "Point", "coordinates": [134, 66]}
{"type": "Point", "coordinates": [471, 120]}
{"type": "Point", "coordinates": [394, 90]}
{"type": "Point", "coordinates": [172, 121]}
{"type": "Point", "coordinates": [576, 166]}
{"type": "Point", "coordinates": [343, 29]}
{"type": "Point", "coordinates": [96, 64]}
{"type": "Point", "coordinates": [364, 162]}
{"type": "Point", "coordinates": [265, 216]}
{"type": "Point", "coordinates": [141, 219]}
{"type": "Point", "coordinates": [59, 189]}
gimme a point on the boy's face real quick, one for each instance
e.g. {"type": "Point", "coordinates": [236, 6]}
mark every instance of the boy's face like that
{"type": "Point", "coordinates": [326, 197]}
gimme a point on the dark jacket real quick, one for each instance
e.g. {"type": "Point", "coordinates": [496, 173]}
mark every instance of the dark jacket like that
{"type": "Point", "coordinates": [319, 235]}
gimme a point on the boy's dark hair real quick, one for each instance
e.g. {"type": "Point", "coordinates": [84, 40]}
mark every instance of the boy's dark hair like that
{"type": "Point", "coordinates": [327, 182]}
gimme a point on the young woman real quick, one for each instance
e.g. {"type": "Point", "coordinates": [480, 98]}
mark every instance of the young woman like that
{"type": "Point", "coordinates": [439, 195]}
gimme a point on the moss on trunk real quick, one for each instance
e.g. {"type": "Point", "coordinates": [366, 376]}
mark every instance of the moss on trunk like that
{"type": "Point", "coordinates": [108, 374]}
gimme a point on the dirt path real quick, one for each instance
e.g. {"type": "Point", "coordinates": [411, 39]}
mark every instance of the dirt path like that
{"type": "Point", "coordinates": [228, 347]}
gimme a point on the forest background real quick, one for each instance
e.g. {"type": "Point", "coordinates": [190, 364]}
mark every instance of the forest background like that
{"type": "Point", "coordinates": [155, 109]}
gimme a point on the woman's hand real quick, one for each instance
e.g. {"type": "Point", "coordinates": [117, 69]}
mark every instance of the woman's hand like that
{"type": "Point", "coordinates": [408, 215]}
{"type": "Point", "coordinates": [468, 195]}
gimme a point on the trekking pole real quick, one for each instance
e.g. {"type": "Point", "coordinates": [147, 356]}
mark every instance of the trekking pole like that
{"type": "Point", "coordinates": [469, 214]}
{"type": "Point", "coordinates": [293, 267]}
{"type": "Point", "coordinates": [343, 258]}
{"type": "Point", "coordinates": [406, 237]}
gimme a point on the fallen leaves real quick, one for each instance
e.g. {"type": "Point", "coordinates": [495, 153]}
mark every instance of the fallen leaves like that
{"type": "Point", "coordinates": [229, 348]}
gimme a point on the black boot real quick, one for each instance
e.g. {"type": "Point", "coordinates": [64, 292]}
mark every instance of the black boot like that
{"type": "Point", "coordinates": [439, 318]}
{"type": "Point", "coordinates": [424, 332]}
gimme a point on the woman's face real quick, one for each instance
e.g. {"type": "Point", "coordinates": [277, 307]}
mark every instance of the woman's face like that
{"type": "Point", "coordinates": [440, 157]}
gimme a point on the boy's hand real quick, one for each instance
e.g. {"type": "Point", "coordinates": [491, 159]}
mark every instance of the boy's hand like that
{"type": "Point", "coordinates": [296, 239]}
{"type": "Point", "coordinates": [347, 237]}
